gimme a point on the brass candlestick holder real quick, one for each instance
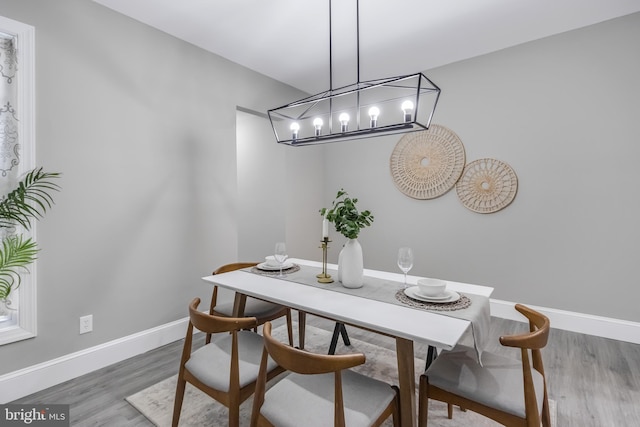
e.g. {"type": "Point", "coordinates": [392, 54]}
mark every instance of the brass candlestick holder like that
{"type": "Point", "coordinates": [324, 277]}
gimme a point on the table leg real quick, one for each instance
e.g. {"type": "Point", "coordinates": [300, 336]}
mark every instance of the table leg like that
{"type": "Point", "coordinates": [340, 330]}
{"type": "Point", "coordinates": [302, 323]}
{"type": "Point", "coordinates": [432, 353]}
{"type": "Point", "coordinates": [407, 382]}
{"type": "Point", "coordinates": [334, 338]}
{"type": "Point", "coordinates": [345, 335]}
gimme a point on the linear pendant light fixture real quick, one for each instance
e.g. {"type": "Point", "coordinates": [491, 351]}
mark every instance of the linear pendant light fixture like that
{"type": "Point", "coordinates": [361, 110]}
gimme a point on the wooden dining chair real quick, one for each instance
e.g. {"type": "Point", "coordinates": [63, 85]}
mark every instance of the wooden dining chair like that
{"type": "Point", "coordinates": [507, 390]}
{"type": "Point", "coordinates": [319, 391]}
{"type": "Point", "coordinates": [263, 311]}
{"type": "Point", "coordinates": [226, 368]}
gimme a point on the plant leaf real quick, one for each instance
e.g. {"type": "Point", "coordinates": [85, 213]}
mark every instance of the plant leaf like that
{"type": "Point", "coordinates": [16, 254]}
{"type": "Point", "coordinates": [345, 216]}
{"type": "Point", "coordinates": [30, 200]}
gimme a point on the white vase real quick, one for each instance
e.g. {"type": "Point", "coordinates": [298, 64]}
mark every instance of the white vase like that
{"type": "Point", "coordinates": [350, 265]}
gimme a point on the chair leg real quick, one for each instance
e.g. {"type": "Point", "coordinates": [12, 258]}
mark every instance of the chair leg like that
{"type": "Point", "coordinates": [546, 416]}
{"type": "Point", "coordinates": [177, 406]}
{"type": "Point", "coordinates": [423, 402]}
{"type": "Point", "coordinates": [450, 411]}
{"type": "Point", "coordinates": [290, 327]}
{"type": "Point", "coordinates": [234, 417]}
{"type": "Point", "coordinates": [234, 412]}
{"type": "Point", "coordinates": [212, 304]}
{"type": "Point", "coordinates": [396, 407]}
{"type": "Point", "coordinates": [302, 324]}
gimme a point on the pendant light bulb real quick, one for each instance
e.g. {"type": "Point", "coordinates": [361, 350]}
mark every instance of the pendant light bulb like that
{"type": "Point", "coordinates": [317, 124]}
{"type": "Point", "coordinates": [374, 112]}
{"type": "Point", "coordinates": [295, 127]}
{"type": "Point", "coordinates": [407, 109]}
{"type": "Point", "coordinates": [344, 122]}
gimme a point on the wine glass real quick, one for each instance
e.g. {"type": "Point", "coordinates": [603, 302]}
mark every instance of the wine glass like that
{"type": "Point", "coordinates": [405, 261]}
{"type": "Point", "coordinates": [280, 255]}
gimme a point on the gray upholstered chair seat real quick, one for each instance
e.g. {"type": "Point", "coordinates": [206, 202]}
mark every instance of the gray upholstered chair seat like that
{"type": "Point", "coordinates": [211, 363]}
{"type": "Point", "coordinates": [253, 308]}
{"type": "Point", "coordinates": [311, 398]}
{"type": "Point", "coordinates": [498, 383]}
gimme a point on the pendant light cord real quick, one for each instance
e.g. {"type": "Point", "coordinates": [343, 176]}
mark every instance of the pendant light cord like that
{"type": "Point", "coordinates": [358, 40]}
{"type": "Point", "coordinates": [357, 44]}
{"type": "Point", "coordinates": [357, 63]}
{"type": "Point", "coordinates": [330, 50]}
{"type": "Point", "coordinates": [330, 70]}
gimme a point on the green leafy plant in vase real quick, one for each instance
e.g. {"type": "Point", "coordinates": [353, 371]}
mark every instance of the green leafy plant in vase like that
{"type": "Point", "coordinates": [348, 221]}
{"type": "Point", "coordinates": [27, 202]}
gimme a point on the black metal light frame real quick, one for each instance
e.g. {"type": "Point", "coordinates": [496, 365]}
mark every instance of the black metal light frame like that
{"type": "Point", "coordinates": [387, 95]}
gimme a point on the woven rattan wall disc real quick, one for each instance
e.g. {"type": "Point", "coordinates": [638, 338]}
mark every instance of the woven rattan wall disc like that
{"type": "Point", "coordinates": [427, 164]}
{"type": "Point", "coordinates": [487, 185]}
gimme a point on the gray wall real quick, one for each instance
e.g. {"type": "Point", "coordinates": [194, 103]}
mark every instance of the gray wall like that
{"type": "Point", "coordinates": [280, 192]}
{"type": "Point", "coordinates": [563, 112]}
{"type": "Point", "coordinates": [262, 187]}
{"type": "Point", "coordinates": [142, 126]}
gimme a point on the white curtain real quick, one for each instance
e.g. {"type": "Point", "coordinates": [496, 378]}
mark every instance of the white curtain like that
{"type": "Point", "coordinates": [9, 138]}
{"type": "Point", "coordinates": [9, 142]}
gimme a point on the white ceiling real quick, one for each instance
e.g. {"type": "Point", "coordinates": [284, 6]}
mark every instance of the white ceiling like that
{"type": "Point", "coordinates": [288, 40]}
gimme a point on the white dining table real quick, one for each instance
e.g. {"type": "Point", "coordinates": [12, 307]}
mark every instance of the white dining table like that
{"type": "Point", "coordinates": [407, 325]}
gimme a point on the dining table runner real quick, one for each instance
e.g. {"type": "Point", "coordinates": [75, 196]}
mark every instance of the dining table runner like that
{"type": "Point", "coordinates": [477, 310]}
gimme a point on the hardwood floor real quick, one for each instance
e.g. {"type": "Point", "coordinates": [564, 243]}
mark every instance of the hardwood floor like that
{"type": "Point", "coordinates": [595, 381]}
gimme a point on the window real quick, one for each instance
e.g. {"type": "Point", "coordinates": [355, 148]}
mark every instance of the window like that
{"type": "Point", "coordinates": [17, 154]}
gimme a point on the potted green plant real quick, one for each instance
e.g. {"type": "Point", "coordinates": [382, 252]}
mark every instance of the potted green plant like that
{"type": "Point", "coordinates": [28, 201]}
{"type": "Point", "coordinates": [348, 221]}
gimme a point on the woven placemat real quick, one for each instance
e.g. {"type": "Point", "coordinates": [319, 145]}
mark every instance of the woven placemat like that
{"type": "Point", "coordinates": [487, 185]}
{"type": "Point", "coordinates": [462, 303]}
{"type": "Point", "coordinates": [292, 269]}
{"type": "Point", "coordinates": [427, 164]}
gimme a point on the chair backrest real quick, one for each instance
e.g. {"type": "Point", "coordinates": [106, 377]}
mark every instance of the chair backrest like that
{"type": "Point", "coordinates": [538, 335]}
{"type": "Point", "coordinates": [303, 362]}
{"type": "Point", "coordinates": [225, 269]}
{"type": "Point", "coordinates": [233, 266]}
{"type": "Point", "coordinates": [210, 323]}
{"type": "Point", "coordinates": [533, 341]}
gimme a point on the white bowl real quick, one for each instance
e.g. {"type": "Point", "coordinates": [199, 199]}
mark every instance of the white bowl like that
{"type": "Point", "coordinates": [431, 287]}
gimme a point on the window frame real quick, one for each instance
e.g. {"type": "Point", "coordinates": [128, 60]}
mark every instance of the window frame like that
{"type": "Point", "coordinates": [24, 323]}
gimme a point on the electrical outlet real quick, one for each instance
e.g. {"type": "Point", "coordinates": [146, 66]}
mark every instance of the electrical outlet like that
{"type": "Point", "coordinates": [86, 324]}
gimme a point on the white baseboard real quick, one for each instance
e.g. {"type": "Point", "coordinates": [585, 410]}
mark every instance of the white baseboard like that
{"type": "Point", "coordinates": [24, 382]}
{"type": "Point", "coordinates": [32, 379]}
{"type": "Point", "coordinates": [606, 327]}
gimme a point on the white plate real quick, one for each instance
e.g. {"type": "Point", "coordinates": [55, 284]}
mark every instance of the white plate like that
{"type": "Point", "coordinates": [450, 296]}
{"type": "Point", "coordinates": [266, 267]}
{"type": "Point", "coordinates": [445, 295]}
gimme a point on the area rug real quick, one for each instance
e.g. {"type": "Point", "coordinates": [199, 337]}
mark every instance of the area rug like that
{"type": "Point", "coordinates": [198, 409]}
